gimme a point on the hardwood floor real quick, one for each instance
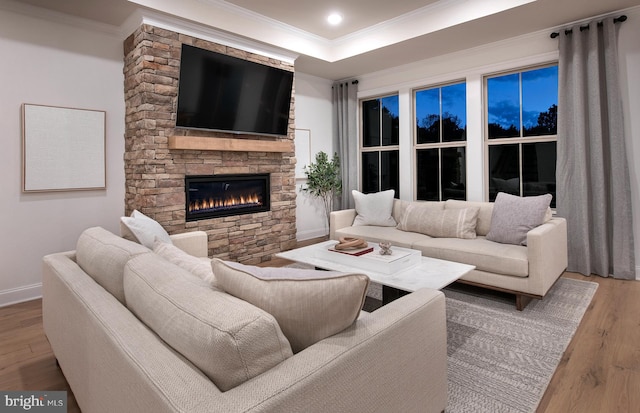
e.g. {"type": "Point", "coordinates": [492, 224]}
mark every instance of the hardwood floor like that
{"type": "Point", "coordinates": [26, 359]}
{"type": "Point", "coordinates": [599, 372]}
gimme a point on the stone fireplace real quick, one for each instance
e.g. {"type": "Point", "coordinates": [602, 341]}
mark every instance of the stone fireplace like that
{"type": "Point", "coordinates": [159, 158]}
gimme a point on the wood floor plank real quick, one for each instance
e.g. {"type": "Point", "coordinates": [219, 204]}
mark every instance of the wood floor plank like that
{"type": "Point", "coordinates": [622, 393]}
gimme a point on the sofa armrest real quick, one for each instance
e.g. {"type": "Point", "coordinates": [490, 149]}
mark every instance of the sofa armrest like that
{"type": "Point", "coordinates": [391, 360]}
{"type": "Point", "coordinates": [547, 253]}
{"type": "Point", "coordinates": [340, 219]}
{"type": "Point", "coordinates": [194, 243]}
{"type": "Point", "coordinates": [104, 351]}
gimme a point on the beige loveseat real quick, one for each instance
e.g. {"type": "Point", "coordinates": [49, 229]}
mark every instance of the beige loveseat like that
{"type": "Point", "coordinates": [528, 271]}
{"type": "Point", "coordinates": [393, 359]}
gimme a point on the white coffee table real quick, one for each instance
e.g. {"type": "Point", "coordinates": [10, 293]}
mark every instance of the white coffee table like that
{"type": "Point", "coordinates": [418, 271]}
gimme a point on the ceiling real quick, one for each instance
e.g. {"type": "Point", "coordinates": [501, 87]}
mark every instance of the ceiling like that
{"type": "Point", "coordinates": [374, 35]}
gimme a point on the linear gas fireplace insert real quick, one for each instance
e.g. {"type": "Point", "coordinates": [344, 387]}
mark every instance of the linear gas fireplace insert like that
{"type": "Point", "coordinates": [215, 196]}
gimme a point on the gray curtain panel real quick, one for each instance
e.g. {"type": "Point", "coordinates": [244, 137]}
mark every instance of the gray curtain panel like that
{"type": "Point", "coordinates": [593, 186]}
{"type": "Point", "coordinates": [345, 138]}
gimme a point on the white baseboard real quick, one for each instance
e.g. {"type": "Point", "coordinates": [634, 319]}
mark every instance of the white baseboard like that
{"type": "Point", "coordinates": [316, 233]}
{"type": "Point", "coordinates": [20, 294]}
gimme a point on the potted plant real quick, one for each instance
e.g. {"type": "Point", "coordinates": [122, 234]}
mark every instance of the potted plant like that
{"type": "Point", "coordinates": [324, 180]}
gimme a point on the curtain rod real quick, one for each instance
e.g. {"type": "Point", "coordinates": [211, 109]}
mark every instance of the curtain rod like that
{"type": "Point", "coordinates": [353, 82]}
{"type": "Point", "coordinates": [586, 27]}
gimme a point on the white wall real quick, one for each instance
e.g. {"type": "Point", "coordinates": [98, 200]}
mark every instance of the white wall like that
{"type": "Point", "coordinates": [471, 65]}
{"type": "Point", "coordinates": [313, 111]}
{"type": "Point", "coordinates": [54, 62]}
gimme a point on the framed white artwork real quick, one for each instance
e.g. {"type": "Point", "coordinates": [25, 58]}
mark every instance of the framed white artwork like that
{"type": "Point", "coordinates": [63, 149]}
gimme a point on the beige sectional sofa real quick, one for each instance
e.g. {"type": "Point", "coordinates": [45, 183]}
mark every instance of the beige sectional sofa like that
{"type": "Point", "coordinates": [134, 332]}
{"type": "Point", "coordinates": [528, 271]}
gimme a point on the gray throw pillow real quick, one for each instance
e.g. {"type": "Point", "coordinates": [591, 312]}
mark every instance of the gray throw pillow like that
{"type": "Point", "coordinates": [513, 217]}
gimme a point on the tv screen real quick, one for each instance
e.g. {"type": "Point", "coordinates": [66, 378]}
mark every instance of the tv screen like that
{"type": "Point", "coordinates": [225, 93]}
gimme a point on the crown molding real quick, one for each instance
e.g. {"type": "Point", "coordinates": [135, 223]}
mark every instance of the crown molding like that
{"type": "Point", "coordinates": [428, 19]}
{"type": "Point", "coordinates": [248, 24]}
{"type": "Point", "coordinates": [200, 31]}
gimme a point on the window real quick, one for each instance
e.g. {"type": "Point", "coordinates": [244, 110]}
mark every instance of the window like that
{"type": "Point", "coordinates": [380, 145]}
{"type": "Point", "coordinates": [441, 134]}
{"type": "Point", "coordinates": [521, 132]}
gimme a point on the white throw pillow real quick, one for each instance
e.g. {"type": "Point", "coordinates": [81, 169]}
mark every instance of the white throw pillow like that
{"type": "Point", "coordinates": [143, 230]}
{"type": "Point", "coordinates": [514, 216]}
{"type": "Point", "coordinates": [374, 209]}
{"type": "Point", "coordinates": [309, 305]}
{"type": "Point", "coordinates": [198, 266]}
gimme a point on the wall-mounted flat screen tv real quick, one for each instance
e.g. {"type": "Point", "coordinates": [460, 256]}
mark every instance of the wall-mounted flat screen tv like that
{"type": "Point", "coordinates": [224, 93]}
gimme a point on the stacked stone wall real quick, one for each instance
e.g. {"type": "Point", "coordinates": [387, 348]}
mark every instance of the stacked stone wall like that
{"type": "Point", "coordinates": [154, 174]}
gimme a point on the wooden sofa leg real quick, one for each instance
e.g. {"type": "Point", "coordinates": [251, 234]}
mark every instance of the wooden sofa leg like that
{"type": "Point", "coordinates": [522, 301]}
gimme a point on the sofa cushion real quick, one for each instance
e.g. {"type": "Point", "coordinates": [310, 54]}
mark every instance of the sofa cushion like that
{"type": "Point", "coordinates": [374, 209]}
{"type": "Point", "coordinates": [309, 305]}
{"type": "Point", "coordinates": [228, 339]}
{"type": "Point", "coordinates": [484, 254]}
{"type": "Point", "coordinates": [434, 221]}
{"type": "Point", "coordinates": [199, 266]}
{"type": "Point", "coordinates": [103, 255]}
{"type": "Point", "coordinates": [379, 234]}
{"type": "Point", "coordinates": [514, 216]}
{"type": "Point", "coordinates": [142, 229]}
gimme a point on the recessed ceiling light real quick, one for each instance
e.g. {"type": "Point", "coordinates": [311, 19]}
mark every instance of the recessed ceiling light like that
{"type": "Point", "coordinates": [334, 19]}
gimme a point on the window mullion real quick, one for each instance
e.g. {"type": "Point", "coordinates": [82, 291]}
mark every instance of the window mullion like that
{"type": "Point", "coordinates": [380, 124]}
{"type": "Point", "coordinates": [520, 102]}
{"type": "Point", "coordinates": [380, 167]}
{"type": "Point", "coordinates": [440, 174]}
{"type": "Point", "coordinates": [521, 178]}
{"type": "Point", "coordinates": [440, 113]}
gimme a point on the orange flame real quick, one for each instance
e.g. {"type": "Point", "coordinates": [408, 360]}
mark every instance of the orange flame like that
{"type": "Point", "coordinates": [224, 203]}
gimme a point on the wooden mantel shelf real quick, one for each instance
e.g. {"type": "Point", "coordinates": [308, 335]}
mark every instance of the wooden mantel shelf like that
{"type": "Point", "coordinates": [198, 143]}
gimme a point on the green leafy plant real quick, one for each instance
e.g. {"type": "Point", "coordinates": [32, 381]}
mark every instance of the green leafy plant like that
{"type": "Point", "coordinates": [324, 180]}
